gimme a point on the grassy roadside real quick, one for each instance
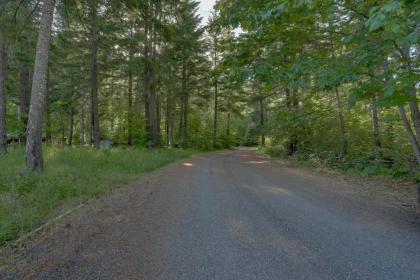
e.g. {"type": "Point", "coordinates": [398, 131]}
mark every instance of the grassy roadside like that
{"type": "Point", "coordinates": [375, 176]}
{"type": "Point", "coordinates": [71, 176]}
{"type": "Point", "coordinates": [358, 165]}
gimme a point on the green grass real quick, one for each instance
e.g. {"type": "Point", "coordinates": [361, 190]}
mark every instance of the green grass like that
{"type": "Point", "coordinates": [71, 176]}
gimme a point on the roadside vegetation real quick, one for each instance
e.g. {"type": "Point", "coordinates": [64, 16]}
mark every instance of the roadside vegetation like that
{"type": "Point", "coordinates": [330, 83]}
{"type": "Point", "coordinates": [364, 167]}
{"type": "Point", "coordinates": [361, 165]}
{"type": "Point", "coordinates": [71, 177]}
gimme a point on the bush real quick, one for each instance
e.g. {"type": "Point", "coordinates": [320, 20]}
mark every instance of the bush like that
{"type": "Point", "coordinates": [275, 151]}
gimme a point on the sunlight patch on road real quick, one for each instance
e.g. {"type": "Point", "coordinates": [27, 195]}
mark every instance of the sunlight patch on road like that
{"type": "Point", "coordinates": [258, 161]}
{"type": "Point", "coordinates": [277, 190]}
{"type": "Point", "coordinates": [264, 189]}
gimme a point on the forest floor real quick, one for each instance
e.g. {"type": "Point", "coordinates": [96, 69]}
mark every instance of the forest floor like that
{"type": "Point", "coordinates": [231, 215]}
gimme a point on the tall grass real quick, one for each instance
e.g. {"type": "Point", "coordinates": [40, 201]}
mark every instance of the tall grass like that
{"type": "Point", "coordinates": [71, 177]}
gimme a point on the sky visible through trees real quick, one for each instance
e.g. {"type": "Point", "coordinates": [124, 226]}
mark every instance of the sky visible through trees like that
{"type": "Point", "coordinates": [205, 9]}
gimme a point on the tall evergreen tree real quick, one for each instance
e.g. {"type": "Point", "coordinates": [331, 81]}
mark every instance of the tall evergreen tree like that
{"type": "Point", "coordinates": [34, 159]}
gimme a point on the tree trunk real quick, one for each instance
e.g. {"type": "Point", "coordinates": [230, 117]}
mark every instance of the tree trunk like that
{"type": "Point", "coordinates": [415, 112]}
{"type": "Point", "coordinates": [167, 120]}
{"type": "Point", "coordinates": [228, 127]}
{"type": "Point", "coordinates": [94, 76]}
{"type": "Point", "coordinates": [375, 128]}
{"type": "Point", "coordinates": [152, 96]}
{"type": "Point", "coordinates": [344, 143]}
{"type": "Point", "coordinates": [418, 191]}
{"type": "Point", "coordinates": [185, 123]}
{"type": "Point", "coordinates": [48, 124]}
{"type": "Point", "coordinates": [291, 104]}
{"type": "Point", "coordinates": [158, 108]}
{"type": "Point", "coordinates": [154, 115]}
{"type": "Point", "coordinates": [146, 87]}
{"type": "Point", "coordinates": [82, 123]}
{"type": "Point", "coordinates": [215, 112]}
{"type": "Point", "coordinates": [415, 145]}
{"type": "Point", "coordinates": [34, 160]}
{"type": "Point", "coordinates": [130, 101]}
{"type": "Point", "coordinates": [3, 140]}
{"type": "Point", "coordinates": [71, 127]}
{"type": "Point", "coordinates": [215, 62]}
{"type": "Point", "coordinates": [411, 137]}
{"type": "Point", "coordinates": [63, 135]}
{"type": "Point", "coordinates": [24, 97]}
{"type": "Point", "coordinates": [181, 123]}
{"type": "Point", "coordinates": [171, 118]}
{"type": "Point", "coordinates": [342, 124]}
{"type": "Point", "coordinates": [262, 120]}
{"type": "Point", "coordinates": [413, 103]}
{"type": "Point", "coordinates": [184, 107]}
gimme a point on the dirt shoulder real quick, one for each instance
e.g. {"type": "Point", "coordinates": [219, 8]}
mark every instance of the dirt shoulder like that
{"type": "Point", "coordinates": [401, 190]}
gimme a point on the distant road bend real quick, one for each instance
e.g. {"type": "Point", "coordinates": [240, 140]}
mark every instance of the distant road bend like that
{"type": "Point", "coordinates": [232, 215]}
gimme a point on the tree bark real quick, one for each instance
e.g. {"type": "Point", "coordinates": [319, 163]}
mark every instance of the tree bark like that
{"type": "Point", "coordinates": [411, 137]}
{"type": "Point", "coordinates": [262, 120]}
{"type": "Point", "coordinates": [215, 61]}
{"type": "Point", "coordinates": [3, 140]}
{"type": "Point", "coordinates": [48, 124]}
{"type": "Point", "coordinates": [24, 97]}
{"type": "Point", "coordinates": [413, 103]}
{"type": "Point", "coordinates": [228, 127]}
{"type": "Point", "coordinates": [82, 123]}
{"type": "Point", "coordinates": [291, 104]}
{"type": "Point", "coordinates": [150, 100]}
{"type": "Point", "coordinates": [375, 128]}
{"type": "Point", "coordinates": [154, 114]}
{"type": "Point", "coordinates": [342, 123]}
{"type": "Point", "coordinates": [94, 76]}
{"type": "Point", "coordinates": [185, 122]}
{"type": "Point", "coordinates": [146, 86]}
{"type": "Point", "coordinates": [216, 108]}
{"type": "Point", "coordinates": [154, 117]}
{"type": "Point", "coordinates": [167, 120]}
{"type": "Point", "coordinates": [181, 123]}
{"type": "Point", "coordinates": [415, 144]}
{"type": "Point", "coordinates": [71, 127]}
{"type": "Point", "coordinates": [184, 107]}
{"type": "Point", "coordinates": [415, 112]}
{"type": "Point", "coordinates": [34, 160]}
{"type": "Point", "coordinates": [130, 101]}
{"type": "Point", "coordinates": [170, 118]}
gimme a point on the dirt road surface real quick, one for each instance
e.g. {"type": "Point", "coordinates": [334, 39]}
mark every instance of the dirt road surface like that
{"type": "Point", "coordinates": [231, 215]}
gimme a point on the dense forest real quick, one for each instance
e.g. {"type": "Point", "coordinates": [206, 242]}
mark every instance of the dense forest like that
{"type": "Point", "coordinates": [337, 81]}
{"type": "Point", "coordinates": [333, 82]}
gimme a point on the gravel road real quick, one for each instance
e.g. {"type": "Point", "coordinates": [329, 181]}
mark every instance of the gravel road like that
{"type": "Point", "coordinates": [231, 215]}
